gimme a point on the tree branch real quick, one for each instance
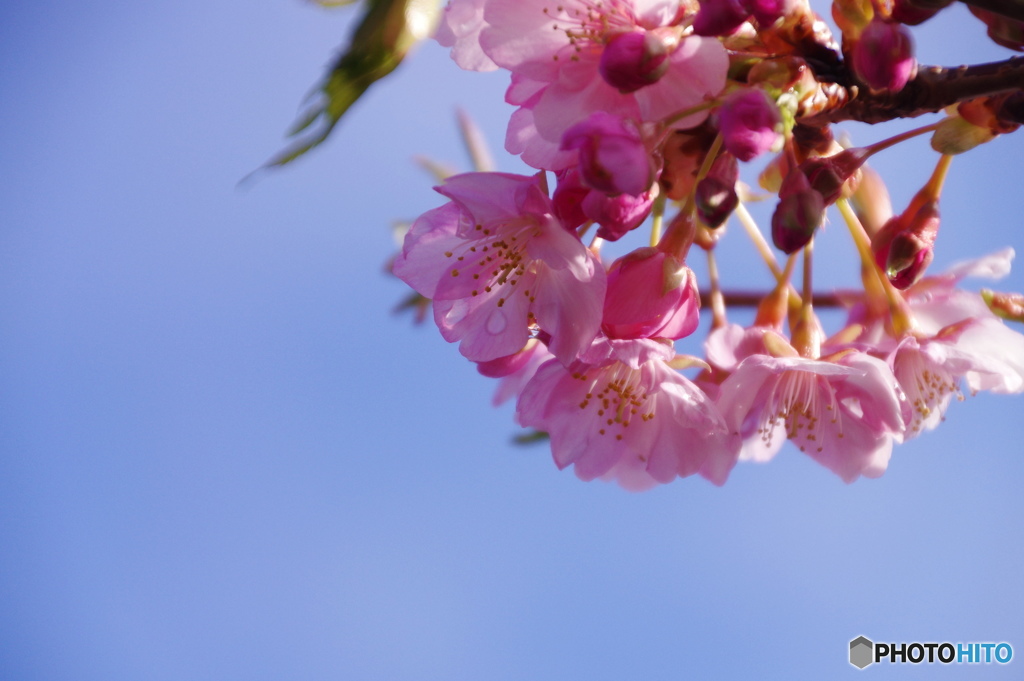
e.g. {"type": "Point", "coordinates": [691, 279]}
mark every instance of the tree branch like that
{"type": "Point", "coordinates": [754, 298]}
{"type": "Point", "coordinates": [933, 89]}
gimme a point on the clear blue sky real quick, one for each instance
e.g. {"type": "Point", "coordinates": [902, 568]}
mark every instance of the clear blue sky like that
{"type": "Point", "coordinates": [222, 458]}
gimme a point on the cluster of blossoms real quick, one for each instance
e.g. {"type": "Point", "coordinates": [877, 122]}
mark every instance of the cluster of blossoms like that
{"type": "Point", "coordinates": [639, 112]}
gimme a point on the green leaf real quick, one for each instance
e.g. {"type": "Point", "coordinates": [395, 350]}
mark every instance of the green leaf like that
{"type": "Point", "coordinates": [387, 31]}
{"type": "Point", "coordinates": [530, 437]}
{"type": "Point", "coordinates": [332, 3]}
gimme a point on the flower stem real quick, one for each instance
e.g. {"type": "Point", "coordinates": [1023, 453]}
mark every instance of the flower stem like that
{"type": "Point", "coordinates": [680, 115]}
{"type": "Point", "coordinates": [765, 251]}
{"type": "Point", "coordinates": [902, 137]}
{"type": "Point", "coordinates": [705, 168]}
{"type": "Point", "coordinates": [717, 301]}
{"type": "Point", "coordinates": [658, 213]}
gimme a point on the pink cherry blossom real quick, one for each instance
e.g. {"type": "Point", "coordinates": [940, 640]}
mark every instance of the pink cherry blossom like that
{"type": "Point", "coordinates": [459, 29]}
{"type": "Point", "coordinates": [560, 46]}
{"type": "Point", "coordinates": [984, 352]}
{"type": "Point", "coordinates": [515, 371]}
{"type": "Point", "coordinates": [957, 341]}
{"type": "Point", "coordinates": [496, 262]}
{"type": "Point", "coordinates": [622, 413]}
{"type": "Point", "coordinates": [843, 414]}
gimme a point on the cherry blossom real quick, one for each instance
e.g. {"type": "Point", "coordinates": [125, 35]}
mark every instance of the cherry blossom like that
{"type": "Point", "coordinates": [844, 414]}
{"type": "Point", "coordinates": [496, 262]}
{"type": "Point", "coordinates": [623, 413]}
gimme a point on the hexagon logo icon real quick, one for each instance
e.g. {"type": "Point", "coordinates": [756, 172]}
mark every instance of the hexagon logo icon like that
{"type": "Point", "coordinates": [862, 652]}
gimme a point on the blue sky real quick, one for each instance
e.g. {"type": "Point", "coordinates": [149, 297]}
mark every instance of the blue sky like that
{"type": "Point", "coordinates": [222, 457]}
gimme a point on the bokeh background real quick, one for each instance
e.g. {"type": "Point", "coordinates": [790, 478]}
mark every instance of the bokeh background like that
{"type": "Point", "coordinates": [223, 457]}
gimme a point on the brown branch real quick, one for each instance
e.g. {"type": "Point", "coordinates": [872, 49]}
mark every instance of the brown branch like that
{"type": "Point", "coordinates": [934, 88]}
{"type": "Point", "coordinates": [1012, 9]}
{"type": "Point", "coordinates": [754, 298]}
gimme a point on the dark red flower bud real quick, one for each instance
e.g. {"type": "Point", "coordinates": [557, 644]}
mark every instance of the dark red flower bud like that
{"type": "Point", "coordinates": [719, 17]}
{"type": "Point", "coordinates": [637, 58]}
{"type": "Point", "coordinates": [716, 195]}
{"type": "Point", "coordinates": [827, 175]}
{"type": "Point", "coordinates": [766, 12]}
{"type": "Point", "coordinates": [799, 213]}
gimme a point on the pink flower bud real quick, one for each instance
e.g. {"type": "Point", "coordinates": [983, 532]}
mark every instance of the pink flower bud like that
{"type": "Point", "coordinates": [800, 212]}
{"type": "Point", "coordinates": [828, 175]}
{"type": "Point", "coordinates": [766, 12]}
{"type": "Point", "coordinates": [883, 57]}
{"type": "Point", "coordinates": [719, 17]}
{"type": "Point", "coordinates": [650, 294]}
{"type": "Point", "coordinates": [748, 121]}
{"type": "Point", "coordinates": [904, 247]}
{"type": "Point", "coordinates": [613, 158]}
{"type": "Point", "coordinates": [617, 215]}
{"type": "Point", "coordinates": [716, 195]}
{"type": "Point", "coordinates": [635, 59]}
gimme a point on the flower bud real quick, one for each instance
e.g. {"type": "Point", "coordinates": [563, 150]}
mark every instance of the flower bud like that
{"type": "Point", "coordinates": [883, 57]}
{"type": "Point", "coordinates": [766, 12]}
{"type": "Point", "coordinates": [828, 175]}
{"type": "Point", "coordinates": [912, 250]}
{"type": "Point", "coordinates": [613, 158]}
{"type": "Point", "coordinates": [903, 248]}
{"type": "Point", "coordinates": [634, 59]}
{"type": "Point", "coordinates": [617, 215]}
{"type": "Point", "coordinates": [719, 17]}
{"type": "Point", "coordinates": [799, 213]}
{"type": "Point", "coordinates": [715, 196]}
{"type": "Point", "coordinates": [749, 122]}
{"type": "Point", "coordinates": [650, 294]}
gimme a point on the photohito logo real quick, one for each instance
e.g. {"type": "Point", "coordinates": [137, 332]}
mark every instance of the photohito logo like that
{"type": "Point", "coordinates": [863, 652]}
